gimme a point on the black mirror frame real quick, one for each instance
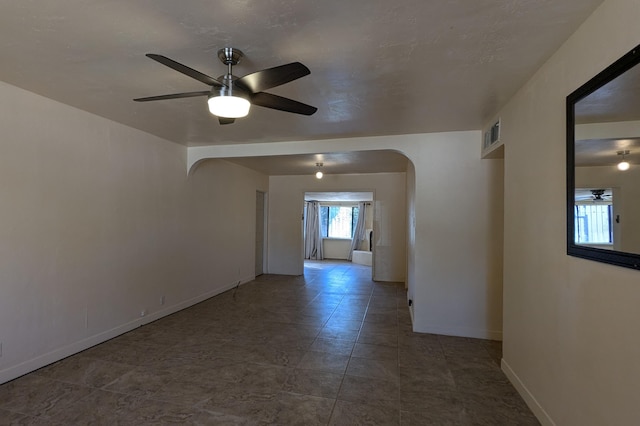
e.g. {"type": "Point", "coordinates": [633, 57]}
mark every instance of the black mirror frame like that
{"type": "Point", "coordinates": [628, 260]}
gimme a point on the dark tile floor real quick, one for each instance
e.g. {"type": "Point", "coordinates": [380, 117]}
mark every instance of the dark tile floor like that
{"type": "Point", "coordinates": [332, 347]}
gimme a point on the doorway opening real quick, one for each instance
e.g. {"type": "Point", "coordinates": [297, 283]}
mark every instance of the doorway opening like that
{"type": "Point", "coordinates": [260, 230]}
{"type": "Point", "coordinates": [339, 226]}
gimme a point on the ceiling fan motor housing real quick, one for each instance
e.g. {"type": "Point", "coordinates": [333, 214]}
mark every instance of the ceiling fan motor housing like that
{"type": "Point", "coordinates": [230, 56]}
{"type": "Point", "coordinates": [228, 88]}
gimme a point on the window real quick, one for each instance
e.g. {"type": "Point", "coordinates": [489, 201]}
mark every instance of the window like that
{"type": "Point", "coordinates": [593, 224]}
{"type": "Point", "coordinates": [338, 221]}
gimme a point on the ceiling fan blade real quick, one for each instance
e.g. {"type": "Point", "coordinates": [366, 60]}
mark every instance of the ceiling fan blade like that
{"type": "Point", "coordinates": [268, 100]}
{"type": "Point", "coordinates": [185, 70]}
{"type": "Point", "coordinates": [272, 77]}
{"type": "Point", "coordinates": [173, 96]}
{"type": "Point", "coordinates": [223, 120]}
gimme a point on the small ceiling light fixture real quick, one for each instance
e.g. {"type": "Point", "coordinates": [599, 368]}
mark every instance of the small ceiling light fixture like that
{"type": "Point", "coordinates": [623, 165]}
{"type": "Point", "coordinates": [319, 173]}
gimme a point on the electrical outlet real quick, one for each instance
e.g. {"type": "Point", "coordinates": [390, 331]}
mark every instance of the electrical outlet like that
{"type": "Point", "coordinates": [162, 299]}
{"type": "Point", "coordinates": [143, 312]}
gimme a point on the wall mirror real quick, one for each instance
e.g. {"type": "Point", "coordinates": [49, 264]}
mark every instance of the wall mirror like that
{"type": "Point", "coordinates": [603, 165]}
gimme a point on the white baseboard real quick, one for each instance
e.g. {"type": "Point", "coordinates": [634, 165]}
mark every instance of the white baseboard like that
{"type": "Point", "coordinates": [462, 332]}
{"type": "Point", "coordinates": [530, 400]}
{"type": "Point", "coordinates": [33, 364]}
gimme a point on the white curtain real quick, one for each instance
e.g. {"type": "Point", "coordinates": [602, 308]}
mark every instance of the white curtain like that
{"type": "Point", "coordinates": [358, 234]}
{"type": "Point", "coordinates": [312, 236]}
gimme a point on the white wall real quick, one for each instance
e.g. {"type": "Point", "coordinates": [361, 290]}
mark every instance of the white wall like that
{"type": "Point", "coordinates": [453, 224]}
{"type": "Point", "coordinates": [98, 221]}
{"type": "Point", "coordinates": [570, 324]}
{"type": "Point", "coordinates": [333, 248]}
{"type": "Point", "coordinates": [286, 195]}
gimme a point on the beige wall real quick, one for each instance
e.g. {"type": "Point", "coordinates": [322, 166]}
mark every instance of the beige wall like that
{"type": "Point", "coordinates": [99, 221]}
{"type": "Point", "coordinates": [286, 197]}
{"type": "Point", "coordinates": [457, 287]}
{"type": "Point", "coordinates": [570, 324]}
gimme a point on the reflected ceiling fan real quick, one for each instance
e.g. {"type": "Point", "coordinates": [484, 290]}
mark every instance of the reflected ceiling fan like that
{"type": "Point", "coordinates": [599, 194]}
{"type": "Point", "coordinates": [231, 97]}
{"type": "Point", "coordinates": [595, 195]}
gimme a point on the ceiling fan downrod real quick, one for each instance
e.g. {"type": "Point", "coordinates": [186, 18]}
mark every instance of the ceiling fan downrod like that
{"type": "Point", "coordinates": [230, 57]}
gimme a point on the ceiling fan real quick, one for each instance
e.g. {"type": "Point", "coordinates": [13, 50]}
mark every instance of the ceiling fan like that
{"type": "Point", "coordinates": [231, 97]}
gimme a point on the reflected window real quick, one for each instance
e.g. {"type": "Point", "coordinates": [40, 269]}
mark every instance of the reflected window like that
{"type": "Point", "coordinates": [593, 223]}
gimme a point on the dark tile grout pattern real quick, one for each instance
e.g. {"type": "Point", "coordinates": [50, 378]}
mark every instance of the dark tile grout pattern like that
{"type": "Point", "coordinates": [330, 347]}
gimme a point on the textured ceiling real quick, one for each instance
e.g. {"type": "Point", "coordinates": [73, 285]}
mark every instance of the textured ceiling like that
{"type": "Point", "coordinates": [377, 67]}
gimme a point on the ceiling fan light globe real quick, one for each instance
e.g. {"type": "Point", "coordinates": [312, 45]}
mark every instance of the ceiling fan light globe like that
{"type": "Point", "coordinates": [623, 165]}
{"type": "Point", "coordinates": [319, 175]}
{"type": "Point", "coordinates": [229, 106]}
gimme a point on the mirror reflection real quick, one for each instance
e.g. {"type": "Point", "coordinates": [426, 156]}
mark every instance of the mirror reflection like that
{"type": "Point", "coordinates": [606, 206]}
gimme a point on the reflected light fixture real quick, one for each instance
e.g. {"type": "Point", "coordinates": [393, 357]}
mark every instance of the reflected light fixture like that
{"type": "Point", "coordinates": [319, 173]}
{"type": "Point", "coordinates": [623, 165]}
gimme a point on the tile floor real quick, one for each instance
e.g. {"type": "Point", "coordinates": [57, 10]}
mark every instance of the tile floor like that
{"type": "Point", "coordinates": [330, 347]}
